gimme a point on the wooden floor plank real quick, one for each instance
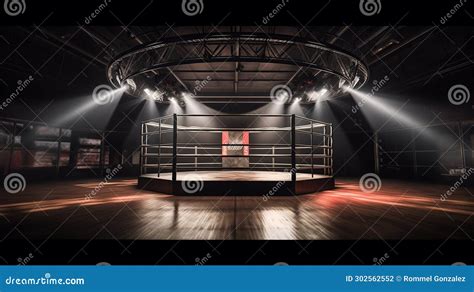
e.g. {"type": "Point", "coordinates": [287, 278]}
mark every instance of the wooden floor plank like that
{"type": "Point", "coordinates": [399, 210]}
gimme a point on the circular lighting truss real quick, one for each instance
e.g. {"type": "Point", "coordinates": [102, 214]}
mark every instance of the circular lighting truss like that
{"type": "Point", "coordinates": [323, 70]}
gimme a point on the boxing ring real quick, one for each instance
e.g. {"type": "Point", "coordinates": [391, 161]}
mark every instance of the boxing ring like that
{"type": "Point", "coordinates": [236, 154]}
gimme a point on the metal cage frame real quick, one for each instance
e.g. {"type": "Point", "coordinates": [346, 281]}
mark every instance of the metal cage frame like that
{"type": "Point", "coordinates": [297, 125]}
{"type": "Point", "coordinates": [166, 54]}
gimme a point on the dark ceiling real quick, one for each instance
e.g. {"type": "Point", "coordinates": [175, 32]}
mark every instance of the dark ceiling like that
{"type": "Point", "coordinates": [65, 62]}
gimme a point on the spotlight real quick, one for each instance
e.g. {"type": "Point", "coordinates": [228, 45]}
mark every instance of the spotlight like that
{"type": "Point", "coordinates": [354, 82]}
{"type": "Point", "coordinates": [341, 83]}
{"type": "Point", "coordinates": [295, 106]}
{"type": "Point", "coordinates": [368, 102]}
{"type": "Point", "coordinates": [283, 95]}
{"type": "Point", "coordinates": [125, 87]}
{"type": "Point", "coordinates": [132, 85]}
{"type": "Point", "coordinates": [314, 95]}
{"type": "Point", "coordinates": [148, 92]}
{"type": "Point", "coordinates": [153, 94]}
{"type": "Point", "coordinates": [187, 95]}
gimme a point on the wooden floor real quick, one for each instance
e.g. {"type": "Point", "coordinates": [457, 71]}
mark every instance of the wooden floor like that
{"type": "Point", "coordinates": [400, 210]}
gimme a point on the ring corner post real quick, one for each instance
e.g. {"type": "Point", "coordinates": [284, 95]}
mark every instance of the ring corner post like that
{"type": "Point", "coordinates": [142, 145]}
{"type": "Point", "coordinates": [293, 153]}
{"type": "Point", "coordinates": [175, 152]}
{"type": "Point", "coordinates": [331, 151]}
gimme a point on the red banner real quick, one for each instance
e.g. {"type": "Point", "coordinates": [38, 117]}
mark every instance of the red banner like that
{"type": "Point", "coordinates": [225, 141]}
{"type": "Point", "coordinates": [246, 140]}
